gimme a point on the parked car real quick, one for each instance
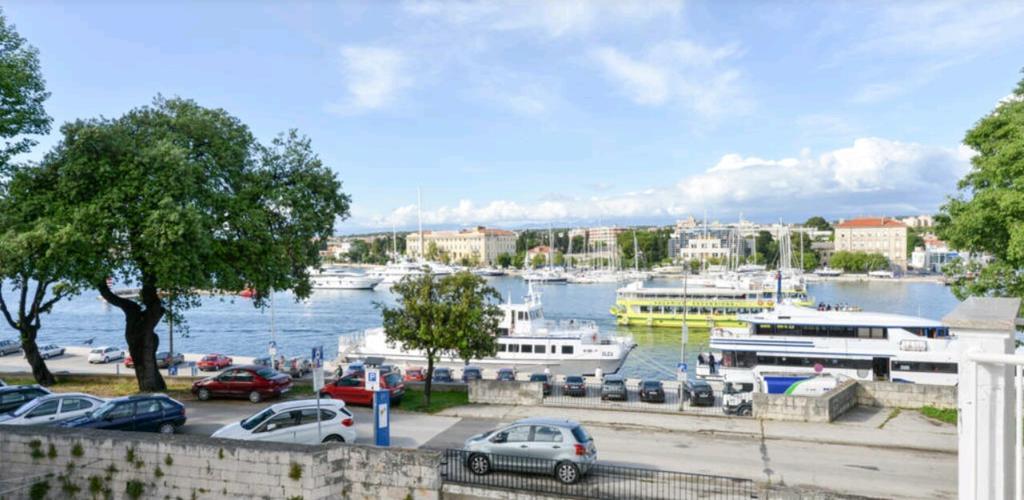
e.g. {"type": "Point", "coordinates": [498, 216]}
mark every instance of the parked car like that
{"type": "Point", "coordinates": [389, 368]}
{"type": "Point", "coordinates": [143, 413]}
{"type": "Point", "coordinates": [698, 393]}
{"type": "Point", "coordinates": [255, 383]}
{"type": "Point", "coordinates": [51, 351]}
{"type": "Point", "coordinates": [164, 359]}
{"type": "Point", "coordinates": [652, 391]}
{"type": "Point", "coordinates": [545, 379]}
{"type": "Point", "coordinates": [415, 374]}
{"type": "Point", "coordinates": [738, 399]}
{"type": "Point", "coordinates": [214, 362]}
{"type": "Point", "coordinates": [9, 347]}
{"type": "Point", "coordinates": [355, 366]}
{"type": "Point", "coordinates": [613, 387]}
{"type": "Point", "coordinates": [105, 354]}
{"type": "Point", "coordinates": [263, 361]}
{"type": "Point", "coordinates": [299, 366]}
{"type": "Point", "coordinates": [295, 422]}
{"type": "Point", "coordinates": [52, 409]}
{"type": "Point", "coordinates": [506, 375]}
{"type": "Point", "coordinates": [13, 396]}
{"type": "Point", "coordinates": [472, 373]}
{"type": "Point", "coordinates": [442, 374]}
{"type": "Point", "coordinates": [352, 389]}
{"type": "Point", "coordinates": [542, 445]}
{"type": "Point", "coordinates": [574, 386]}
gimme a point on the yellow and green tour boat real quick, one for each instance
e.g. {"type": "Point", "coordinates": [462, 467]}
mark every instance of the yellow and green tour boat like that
{"type": "Point", "coordinates": [636, 304]}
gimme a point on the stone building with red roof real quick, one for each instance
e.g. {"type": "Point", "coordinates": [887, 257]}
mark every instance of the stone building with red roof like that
{"type": "Point", "coordinates": [879, 235]}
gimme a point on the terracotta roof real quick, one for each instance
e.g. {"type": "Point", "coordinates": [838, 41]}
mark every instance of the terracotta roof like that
{"type": "Point", "coordinates": [539, 249]}
{"type": "Point", "coordinates": [871, 222]}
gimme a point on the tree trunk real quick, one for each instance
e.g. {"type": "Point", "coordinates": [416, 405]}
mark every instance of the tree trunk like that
{"type": "Point", "coordinates": [430, 378]}
{"type": "Point", "coordinates": [140, 333]}
{"type": "Point", "coordinates": [39, 370]}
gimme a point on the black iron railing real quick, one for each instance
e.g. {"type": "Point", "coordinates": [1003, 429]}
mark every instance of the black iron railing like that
{"type": "Point", "coordinates": [597, 480]}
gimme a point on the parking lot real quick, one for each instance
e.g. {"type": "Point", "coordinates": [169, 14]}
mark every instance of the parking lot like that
{"type": "Point", "coordinates": [633, 402]}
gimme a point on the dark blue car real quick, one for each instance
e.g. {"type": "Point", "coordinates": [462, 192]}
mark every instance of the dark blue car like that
{"type": "Point", "coordinates": [144, 413]}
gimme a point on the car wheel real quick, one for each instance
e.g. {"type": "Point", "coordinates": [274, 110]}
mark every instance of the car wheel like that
{"type": "Point", "coordinates": [106, 359]}
{"type": "Point", "coordinates": [567, 472]}
{"type": "Point", "coordinates": [745, 411]}
{"type": "Point", "coordinates": [204, 394]}
{"type": "Point", "coordinates": [167, 428]}
{"type": "Point", "coordinates": [479, 464]}
{"type": "Point", "coordinates": [254, 397]}
{"type": "Point", "coordinates": [334, 438]}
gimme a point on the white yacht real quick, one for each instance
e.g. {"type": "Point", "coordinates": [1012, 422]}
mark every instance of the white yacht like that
{"type": "Point", "coordinates": [343, 280]}
{"type": "Point", "coordinates": [881, 273]}
{"type": "Point", "coordinates": [792, 340]}
{"type": "Point", "coordinates": [489, 271]}
{"type": "Point", "coordinates": [526, 341]}
{"type": "Point", "coordinates": [395, 271]}
{"type": "Point", "coordinates": [828, 272]}
{"type": "Point", "coordinates": [546, 275]}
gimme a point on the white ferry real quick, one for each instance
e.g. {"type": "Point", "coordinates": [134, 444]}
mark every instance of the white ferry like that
{"type": "Point", "coordinates": [526, 341]}
{"type": "Point", "coordinates": [861, 345]}
{"type": "Point", "coordinates": [343, 280]}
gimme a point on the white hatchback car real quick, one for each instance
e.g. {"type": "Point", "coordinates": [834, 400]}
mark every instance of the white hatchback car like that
{"type": "Point", "coordinates": [105, 354]}
{"type": "Point", "coordinates": [295, 422]}
{"type": "Point", "coordinates": [52, 409]}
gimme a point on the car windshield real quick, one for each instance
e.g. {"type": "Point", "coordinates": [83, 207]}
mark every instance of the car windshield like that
{"type": "Point", "coordinates": [440, 371]}
{"type": "Point", "coordinates": [613, 382]}
{"type": "Point", "coordinates": [210, 357]}
{"type": "Point", "coordinates": [97, 351]}
{"type": "Point", "coordinates": [652, 384]}
{"type": "Point", "coordinates": [266, 373]}
{"type": "Point", "coordinates": [162, 354]}
{"type": "Point", "coordinates": [257, 419]}
{"type": "Point", "coordinates": [538, 378]}
{"type": "Point", "coordinates": [25, 408]}
{"type": "Point", "coordinates": [104, 409]}
{"type": "Point", "coordinates": [574, 380]}
{"type": "Point", "coordinates": [581, 434]}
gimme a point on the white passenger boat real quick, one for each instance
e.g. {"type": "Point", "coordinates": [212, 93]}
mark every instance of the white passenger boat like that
{"type": "Point", "coordinates": [882, 274]}
{"type": "Point", "coordinates": [395, 271]}
{"type": "Point", "coordinates": [546, 275]}
{"type": "Point", "coordinates": [860, 345]}
{"type": "Point", "coordinates": [489, 271]}
{"type": "Point", "coordinates": [526, 341]}
{"type": "Point", "coordinates": [343, 280]}
{"type": "Point", "coordinates": [828, 272]}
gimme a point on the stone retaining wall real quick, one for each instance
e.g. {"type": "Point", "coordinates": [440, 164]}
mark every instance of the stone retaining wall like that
{"type": "Point", "coordinates": [824, 408]}
{"type": "Point", "coordinates": [506, 393]}
{"type": "Point", "coordinates": [93, 463]}
{"type": "Point", "coordinates": [911, 396]}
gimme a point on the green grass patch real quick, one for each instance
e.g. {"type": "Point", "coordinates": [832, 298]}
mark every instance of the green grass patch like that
{"type": "Point", "coordinates": [948, 416]}
{"type": "Point", "coordinates": [892, 414]}
{"type": "Point", "coordinates": [439, 400]}
{"type": "Point", "coordinates": [107, 387]}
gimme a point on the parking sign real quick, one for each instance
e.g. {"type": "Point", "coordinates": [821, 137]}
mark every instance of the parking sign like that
{"type": "Point", "coordinates": [372, 379]}
{"type": "Point", "coordinates": [318, 357]}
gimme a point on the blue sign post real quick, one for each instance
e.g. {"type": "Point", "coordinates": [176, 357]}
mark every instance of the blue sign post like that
{"type": "Point", "coordinates": [381, 418]}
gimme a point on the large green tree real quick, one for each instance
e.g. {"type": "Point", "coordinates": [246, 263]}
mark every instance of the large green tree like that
{"type": "Point", "coordinates": [987, 214]}
{"type": "Point", "coordinates": [22, 93]}
{"type": "Point", "coordinates": [818, 222]}
{"type": "Point", "coordinates": [179, 199]}
{"type": "Point", "coordinates": [454, 315]}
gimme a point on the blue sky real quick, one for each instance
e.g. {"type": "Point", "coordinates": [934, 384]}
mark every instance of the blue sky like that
{"type": "Point", "coordinates": [567, 112]}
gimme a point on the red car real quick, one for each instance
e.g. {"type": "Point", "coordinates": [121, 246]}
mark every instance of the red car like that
{"type": "Point", "coordinates": [251, 381]}
{"type": "Point", "coordinates": [415, 375]}
{"type": "Point", "coordinates": [352, 388]}
{"type": "Point", "coordinates": [214, 362]}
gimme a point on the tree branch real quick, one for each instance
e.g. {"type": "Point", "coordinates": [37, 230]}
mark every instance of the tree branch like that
{"type": "Point", "coordinates": [21, 304]}
{"type": "Point", "coordinates": [3, 307]}
{"type": "Point", "coordinates": [114, 300]}
{"type": "Point", "coordinates": [37, 298]}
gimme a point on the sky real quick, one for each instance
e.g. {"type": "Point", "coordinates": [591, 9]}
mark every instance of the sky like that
{"type": "Point", "coordinates": [528, 113]}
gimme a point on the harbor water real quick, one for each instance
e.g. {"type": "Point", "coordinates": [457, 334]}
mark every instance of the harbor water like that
{"type": "Point", "coordinates": [231, 325]}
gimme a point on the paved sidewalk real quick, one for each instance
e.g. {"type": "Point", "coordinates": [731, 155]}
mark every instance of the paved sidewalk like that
{"type": "Point", "coordinates": [908, 430]}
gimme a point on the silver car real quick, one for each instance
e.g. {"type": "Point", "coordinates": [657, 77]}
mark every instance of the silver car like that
{"type": "Point", "coordinates": [53, 409]}
{"type": "Point", "coordinates": [9, 347]}
{"type": "Point", "coordinates": [542, 445]}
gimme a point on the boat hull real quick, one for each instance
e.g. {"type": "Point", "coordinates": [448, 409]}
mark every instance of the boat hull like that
{"type": "Point", "coordinates": [555, 367]}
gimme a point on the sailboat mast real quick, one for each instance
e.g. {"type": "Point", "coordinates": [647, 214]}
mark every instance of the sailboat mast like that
{"type": "Point", "coordinates": [419, 219]}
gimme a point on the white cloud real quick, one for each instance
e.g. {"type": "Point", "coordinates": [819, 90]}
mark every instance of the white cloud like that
{"type": "Point", "coordinates": [872, 176]}
{"type": "Point", "coordinates": [683, 72]}
{"type": "Point", "coordinates": [373, 77]}
{"type": "Point", "coordinates": [555, 18]}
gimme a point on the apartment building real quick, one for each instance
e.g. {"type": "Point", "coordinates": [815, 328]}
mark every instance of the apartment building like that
{"type": "Point", "coordinates": [879, 235]}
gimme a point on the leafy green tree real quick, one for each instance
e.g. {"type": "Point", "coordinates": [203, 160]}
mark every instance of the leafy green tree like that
{"type": "Point", "coordinates": [432, 252]}
{"type": "Point", "coordinates": [22, 93]}
{"type": "Point", "coordinates": [177, 199]}
{"type": "Point", "coordinates": [858, 262]}
{"type": "Point", "coordinates": [34, 258]}
{"type": "Point", "coordinates": [819, 223]}
{"type": "Point", "coordinates": [558, 258]}
{"type": "Point", "coordinates": [454, 315]}
{"type": "Point", "coordinates": [767, 248]}
{"type": "Point", "coordinates": [987, 214]}
{"type": "Point", "coordinates": [519, 260]}
{"type": "Point", "coordinates": [539, 260]}
{"type": "Point", "coordinates": [504, 260]}
{"type": "Point", "coordinates": [914, 240]}
{"type": "Point", "coordinates": [358, 251]}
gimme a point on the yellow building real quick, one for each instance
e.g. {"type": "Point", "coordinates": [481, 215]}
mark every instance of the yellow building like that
{"type": "Point", "coordinates": [879, 235]}
{"type": "Point", "coordinates": [480, 245]}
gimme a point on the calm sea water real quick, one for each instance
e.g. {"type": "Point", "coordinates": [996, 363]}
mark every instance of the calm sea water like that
{"type": "Point", "coordinates": [232, 325]}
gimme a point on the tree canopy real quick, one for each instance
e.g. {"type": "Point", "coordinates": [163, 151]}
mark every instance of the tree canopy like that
{"type": "Point", "coordinates": [180, 199]}
{"type": "Point", "coordinates": [455, 315]}
{"type": "Point", "coordinates": [819, 223]}
{"type": "Point", "coordinates": [858, 262]}
{"type": "Point", "coordinates": [22, 93]}
{"type": "Point", "coordinates": [987, 213]}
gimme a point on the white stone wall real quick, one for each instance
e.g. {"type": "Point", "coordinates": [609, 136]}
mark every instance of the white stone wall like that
{"type": "Point", "coordinates": [198, 467]}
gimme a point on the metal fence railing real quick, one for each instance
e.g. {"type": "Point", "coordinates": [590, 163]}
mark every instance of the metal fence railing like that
{"type": "Point", "coordinates": [633, 401]}
{"type": "Point", "coordinates": [535, 475]}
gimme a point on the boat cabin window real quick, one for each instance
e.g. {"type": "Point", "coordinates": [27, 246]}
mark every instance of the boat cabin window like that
{"type": "Point", "coordinates": [553, 348]}
{"type": "Point", "coordinates": [851, 364]}
{"type": "Point", "coordinates": [566, 349]}
{"type": "Point", "coordinates": [501, 347]}
{"type": "Point", "coordinates": [513, 348]}
{"type": "Point", "coordinates": [739, 359]}
{"type": "Point", "coordinates": [520, 315]}
{"type": "Point", "coordinates": [502, 332]}
{"type": "Point", "coordinates": [925, 367]}
{"type": "Point", "coordinates": [527, 348]}
{"type": "Point", "coordinates": [837, 331]}
{"type": "Point", "coordinates": [931, 333]}
{"type": "Point", "coordinates": [539, 349]}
